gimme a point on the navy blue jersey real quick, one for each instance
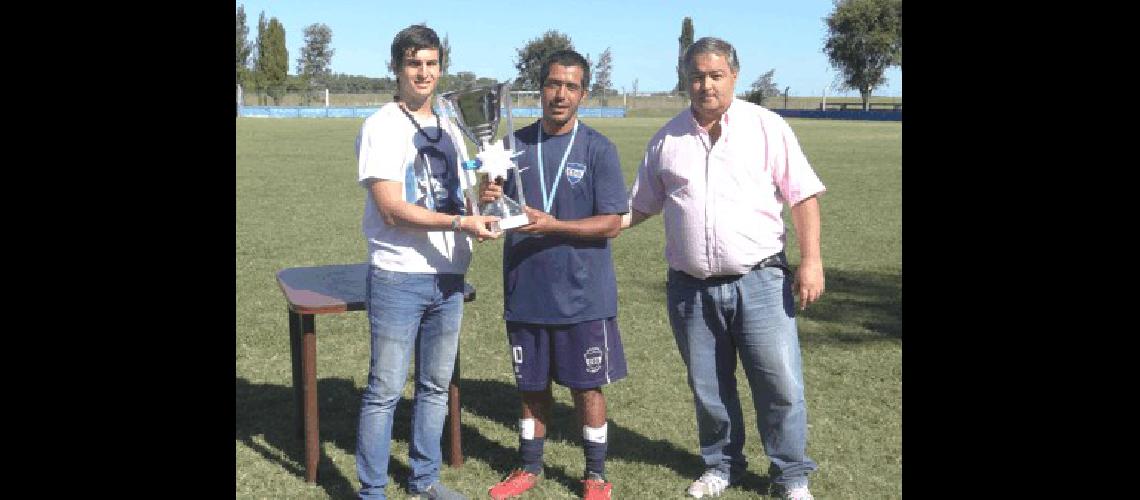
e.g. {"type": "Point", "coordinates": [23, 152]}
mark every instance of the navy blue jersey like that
{"type": "Point", "coordinates": [551, 279]}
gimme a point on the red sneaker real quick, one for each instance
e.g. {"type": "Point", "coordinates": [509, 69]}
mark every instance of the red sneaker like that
{"type": "Point", "coordinates": [596, 489]}
{"type": "Point", "coordinates": [514, 485]}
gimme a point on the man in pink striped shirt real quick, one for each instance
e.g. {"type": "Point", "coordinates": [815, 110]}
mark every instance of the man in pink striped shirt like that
{"type": "Point", "coordinates": [720, 173]}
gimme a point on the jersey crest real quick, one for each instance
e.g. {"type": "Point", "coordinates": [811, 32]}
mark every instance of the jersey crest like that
{"type": "Point", "coordinates": [575, 172]}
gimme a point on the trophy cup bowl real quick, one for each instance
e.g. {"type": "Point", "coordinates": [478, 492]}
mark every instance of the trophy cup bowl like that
{"type": "Point", "coordinates": [477, 113]}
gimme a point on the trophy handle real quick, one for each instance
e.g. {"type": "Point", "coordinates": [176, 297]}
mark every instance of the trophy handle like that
{"type": "Point", "coordinates": [460, 157]}
{"type": "Point", "coordinates": [506, 92]}
{"type": "Point", "coordinates": [472, 185]}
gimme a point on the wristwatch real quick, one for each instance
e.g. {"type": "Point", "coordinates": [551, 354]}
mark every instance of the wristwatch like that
{"type": "Point", "coordinates": [455, 222]}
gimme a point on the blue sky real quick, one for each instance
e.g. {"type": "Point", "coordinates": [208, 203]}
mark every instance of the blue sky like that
{"type": "Point", "coordinates": [642, 36]}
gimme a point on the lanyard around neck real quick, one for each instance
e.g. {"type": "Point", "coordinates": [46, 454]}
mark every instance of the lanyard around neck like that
{"type": "Point", "coordinates": [548, 202]}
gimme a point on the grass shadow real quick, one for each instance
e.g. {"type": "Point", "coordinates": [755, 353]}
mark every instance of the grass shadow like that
{"type": "Point", "coordinates": [268, 410]}
{"type": "Point", "coordinates": [499, 401]}
{"type": "Point", "coordinates": [869, 300]}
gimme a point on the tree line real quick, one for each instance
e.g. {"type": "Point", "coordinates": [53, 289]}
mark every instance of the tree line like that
{"type": "Point", "coordinates": [263, 64]}
{"type": "Point", "coordinates": [864, 39]}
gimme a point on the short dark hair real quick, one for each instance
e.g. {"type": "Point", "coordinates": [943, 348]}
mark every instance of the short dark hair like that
{"type": "Point", "coordinates": [565, 57]}
{"type": "Point", "coordinates": [414, 37]}
{"type": "Point", "coordinates": [714, 45]}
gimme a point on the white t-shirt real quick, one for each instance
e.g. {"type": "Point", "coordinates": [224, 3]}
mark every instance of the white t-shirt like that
{"type": "Point", "coordinates": [390, 147]}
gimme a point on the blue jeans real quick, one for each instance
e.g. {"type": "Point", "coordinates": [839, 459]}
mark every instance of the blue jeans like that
{"type": "Point", "coordinates": [752, 316]}
{"type": "Point", "coordinates": [408, 314]}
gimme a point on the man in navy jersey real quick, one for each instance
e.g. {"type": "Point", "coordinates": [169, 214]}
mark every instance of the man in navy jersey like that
{"type": "Point", "coordinates": [559, 288]}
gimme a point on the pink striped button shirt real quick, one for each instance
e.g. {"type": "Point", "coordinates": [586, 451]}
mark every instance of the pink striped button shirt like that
{"type": "Point", "coordinates": [722, 204]}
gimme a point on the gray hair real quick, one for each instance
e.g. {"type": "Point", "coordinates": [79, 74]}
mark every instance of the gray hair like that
{"type": "Point", "coordinates": [715, 45]}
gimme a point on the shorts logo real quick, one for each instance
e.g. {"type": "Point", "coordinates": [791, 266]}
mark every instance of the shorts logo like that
{"type": "Point", "coordinates": [517, 357]}
{"type": "Point", "coordinates": [575, 172]}
{"type": "Point", "coordinates": [593, 357]}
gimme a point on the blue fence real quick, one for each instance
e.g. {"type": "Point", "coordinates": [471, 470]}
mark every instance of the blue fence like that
{"type": "Point", "coordinates": [304, 112]}
{"type": "Point", "coordinates": [307, 112]}
{"type": "Point", "coordinates": [835, 114]}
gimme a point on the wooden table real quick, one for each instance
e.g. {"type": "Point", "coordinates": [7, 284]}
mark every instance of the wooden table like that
{"type": "Point", "coordinates": [328, 290]}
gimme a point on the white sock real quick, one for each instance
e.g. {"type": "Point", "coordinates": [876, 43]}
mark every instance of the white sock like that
{"type": "Point", "coordinates": [526, 428]}
{"type": "Point", "coordinates": [595, 434]}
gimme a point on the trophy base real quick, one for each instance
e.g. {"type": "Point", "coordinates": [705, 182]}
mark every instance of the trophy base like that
{"type": "Point", "coordinates": [509, 212]}
{"type": "Point", "coordinates": [512, 222]}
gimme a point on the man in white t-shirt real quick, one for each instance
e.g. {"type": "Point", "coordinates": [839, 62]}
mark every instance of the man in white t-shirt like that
{"type": "Point", "coordinates": [418, 233]}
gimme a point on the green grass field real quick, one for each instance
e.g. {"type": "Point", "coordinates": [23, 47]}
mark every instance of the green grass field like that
{"type": "Point", "coordinates": [298, 204]}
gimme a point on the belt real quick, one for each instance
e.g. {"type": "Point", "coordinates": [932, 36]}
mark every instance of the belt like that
{"type": "Point", "coordinates": [777, 259]}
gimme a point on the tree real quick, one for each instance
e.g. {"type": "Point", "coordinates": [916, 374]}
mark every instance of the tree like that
{"type": "Point", "coordinates": [315, 64]}
{"type": "Point", "coordinates": [601, 76]}
{"type": "Point", "coordinates": [465, 80]}
{"type": "Point", "coordinates": [352, 84]}
{"type": "Point", "coordinates": [763, 88]}
{"type": "Point", "coordinates": [864, 39]}
{"type": "Point", "coordinates": [444, 55]}
{"type": "Point", "coordinates": [683, 43]}
{"type": "Point", "coordinates": [258, 76]}
{"type": "Point", "coordinates": [272, 57]}
{"type": "Point", "coordinates": [531, 56]}
{"type": "Point", "coordinates": [243, 45]}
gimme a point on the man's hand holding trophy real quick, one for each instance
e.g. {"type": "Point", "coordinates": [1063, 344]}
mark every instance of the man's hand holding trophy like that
{"type": "Point", "coordinates": [493, 166]}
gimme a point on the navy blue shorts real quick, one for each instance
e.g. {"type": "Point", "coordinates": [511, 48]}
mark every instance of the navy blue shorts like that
{"type": "Point", "coordinates": [579, 356]}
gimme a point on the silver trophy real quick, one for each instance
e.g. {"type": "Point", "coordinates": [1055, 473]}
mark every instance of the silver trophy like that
{"type": "Point", "coordinates": [477, 113]}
